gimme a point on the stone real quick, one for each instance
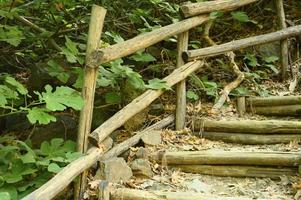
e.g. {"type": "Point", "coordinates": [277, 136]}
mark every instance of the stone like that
{"type": "Point", "coordinates": [142, 153]}
{"type": "Point", "coordinates": [141, 168]}
{"type": "Point", "coordinates": [153, 138]}
{"type": "Point", "coordinates": [114, 170]}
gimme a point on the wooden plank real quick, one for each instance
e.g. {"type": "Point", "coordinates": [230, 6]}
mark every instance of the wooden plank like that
{"type": "Point", "coordinates": [246, 138]}
{"type": "Point", "coordinates": [147, 39]}
{"type": "Point", "coordinates": [273, 101]}
{"type": "Point", "coordinates": [131, 194]}
{"type": "Point", "coordinates": [239, 171]}
{"type": "Point", "coordinates": [228, 158]}
{"type": "Point", "coordinates": [289, 110]}
{"type": "Point", "coordinates": [181, 86]}
{"type": "Point", "coordinates": [284, 42]}
{"type": "Point", "coordinates": [241, 106]}
{"type": "Point", "coordinates": [248, 126]}
{"type": "Point", "coordinates": [62, 179]}
{"type": "Point", "coordinates": [90, 76]}
{"type": "Point", "coordinates": [243, 43]}
{"type": "Point", "coordinates": [141, 103]}
{"type": "Point", "coordinates": [192, 9]}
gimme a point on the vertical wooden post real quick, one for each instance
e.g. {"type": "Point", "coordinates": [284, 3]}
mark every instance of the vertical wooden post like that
{"type": "Point", "coordinates": [91, 72]}
{"type": "Point", "coordinates": [181, 86]}
{"type": "Point", "coordinates": [241, 106]}
{"type": "Point", "coordinates": [283, 43]}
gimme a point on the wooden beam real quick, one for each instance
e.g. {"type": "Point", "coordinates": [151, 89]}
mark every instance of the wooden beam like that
{"type": "Point", "coordinates": [239, 171]}
{"type": "Point", "coordinates": [228, 158]}
{"type": "Point", "coordinates": [241, 106]}
{"type": "Point", "coordinates": [90, 76]}
{"type": "Point", "coordinates": [181, 86]}
{"type": "Point", "coordinates": [243, 43]}
{"type": "Point", "coordinates": [192, 9]}
{"type": "Point", "coordinates": [246, 138]}
{"type": "Point", "coordinates": [131, 194]}
{"type": "Point", "coordinates": [288, 110]}
{"type": "Point", "coordinates": [141, 103]}
{"type": "Point", "coordinates": [273, 101]}
{"type": "Point", "coordinates": [248, 126]}
{"type": "Point", "coordinates": [147, 39]}
{"type": "Point", "coordinates": [61, 180]}
{"type": "Point", "coordinates": [284, 42]}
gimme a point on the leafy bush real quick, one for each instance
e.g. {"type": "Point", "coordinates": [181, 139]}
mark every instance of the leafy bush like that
{"type": "Point", "coordinates": [23, 169]}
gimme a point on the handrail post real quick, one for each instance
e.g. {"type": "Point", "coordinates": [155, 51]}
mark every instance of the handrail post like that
{"type": "Point", "coordinates": [181, 86]}
{"type": "Point", "coordinates": [90, 76]}
{"type": "Point", "coordinates": [284, 42]}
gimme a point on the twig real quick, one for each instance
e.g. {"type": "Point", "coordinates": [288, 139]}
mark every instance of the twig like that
{"type": "Point", "coordinates": [240, 75]}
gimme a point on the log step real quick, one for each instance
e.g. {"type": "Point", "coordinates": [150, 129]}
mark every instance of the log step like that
{"type": "Point", "coordinates": [251, 139]}
{"type": "Point", "coordinates": [131, 194]}
{"type": "Point", "coordinates": [228, 158]}
{"type": "Point", "coordinates": [248, 126]}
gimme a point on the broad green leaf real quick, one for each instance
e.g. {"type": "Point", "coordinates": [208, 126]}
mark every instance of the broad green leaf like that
{"type": "Point", "coordinates": [1, 181]}
{"type": "Point", "coordinates": [157, 84]}
{"type": "Point", "coordinates": [112, 98]}
{"type": "Point", "coordinates": [69, 146]}
{"type": "Point", "coordinates": [69, 55]}
{"type": "Point", "coordinates": [62, 98]}
{"type": "Point", "coordinates": [55, 70]}
{"type": "Point", "coordinates": [11, 190]}
{"type": "Point", "coordinates": [80, 77]}
{"type": "Point", "coordinates": [11, 34]}
{"type": "Point", "coordinates": [143, 57]}
{"type": "Point", "coordinates": [57, 142]}
{"type": "Point", "coordinates": [40, 115]}
{"type": "Point", "coordinates": [19, 87]}
{"type": "Point", "coordinates": [240, 16]}
{"type": "Point", "coordinates": [271, 59]}
{"type": "Point", "coordinates": [215, 15]}
{"type": "Point", "coordinates": [13, 178]}
{"type": "Point", "coordinates": [28, 158]}
{"type": "Point", "coordinates": [71, 46]}
{"type": "Point", "coordinates": [192, 95]}
{"type": "Point", "coordinates": [53, 167]}
{"type": "Point", "coordinates": [71, 156]}
{"type": "Point", "coordinates": [273, 68]}
{"type": "Point", "coordinates": [4, 196]}
{"type": "Point", "coordinates": [251, 60]}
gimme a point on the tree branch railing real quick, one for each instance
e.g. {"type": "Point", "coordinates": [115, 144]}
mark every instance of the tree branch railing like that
{"type": "Point", "coordinates": [96, 56]}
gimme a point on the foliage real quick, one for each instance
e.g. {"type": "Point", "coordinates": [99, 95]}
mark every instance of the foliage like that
{"type": "Point", "coordinates": [14, 97]}
{"type": "Point", "coordinates": [23, 169]}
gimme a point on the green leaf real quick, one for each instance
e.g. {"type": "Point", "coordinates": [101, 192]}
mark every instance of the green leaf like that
{"type": "Point", "coordinates": [240, 16]}
{"type": "Point", "coordinates": [271, 59]}
{"type": "Point", "coordinates": [28, 158]}
{"type": "Point", "coordinates": [62, 97]}
{"type": "Point", "coordinates": [11, 34]}
{"type": "Point", "coordinates": [157, 84]}
{"type": "Point", "coordinates": [215, 15]}
{"type": "Point", "coordinates": [56, 142]}
{"type": "Point", "coordinates": [19, 87]}
{"type": "Point", "coordinates": [55, 70]}
{"type": "Point", "coordinates": [53, 167]}
{"type": "Point", "coordinates": [4, 196]}
{"type": "Point", "coordinates": [141, 56]}
{"type": "Point", "coordinates": [80, 77]}
{"type": "Point", "coordinates": [273, 68]}
{"type": "Point", "coordinates": [192, 95]}
{"type": "Point", "coordinates": [112, 98]}
{"type": "Point", "coordinates": [11, 190]}
{"type": "Point", "coordinates": [39, 115]}
{"type": "Point", "coordinates": [69, 55]}
{"type": "Point", "coordinates": [13, 178]}
{"type": "Point", "coordinates": [71, 156]}
{"type": "Point", "coordinates": [251, 60]}
{"type": "Point", "coordinates": [71, 46]}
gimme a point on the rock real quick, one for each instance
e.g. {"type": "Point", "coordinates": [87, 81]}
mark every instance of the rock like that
{"type": "Point", "coordinates": [114, 170]}
{"type": "Point", "coordinates": [141, 168]}
{"type": "Point", "coordinates": [198, 186]}
{"type": "Point", "coordinates": [269, 49]}
{"type": "Point", "coordinates": [153, 138]}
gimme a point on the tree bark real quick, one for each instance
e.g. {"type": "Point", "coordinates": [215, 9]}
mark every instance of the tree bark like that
{"type": "Point", "coordinates": [248, 126]}
{"type": "Point", "coordinates": [181, 86]}
{"type": "Point", "coordinates": [227, 158]}
{"type": "Point", "coordinates": [292, 110]}
{"type": "Point", "coordinates": [90, 76]}
{"type": "Point", "coordinates": [273, 101]}
{"type": "Point", "coordinates": [147, 39]}
{"type": "Point", "coordinates": [131, 194]}
{"type": "Point", "coordinates": [243, 43]}
{"type": "Point", "coordinates": [192, 9]}
{"type": "Point", "coordinates": [245, 138]}
{"type": "Point", "coordinates": [239, 171]}
{"type": "Point", "coordinates": [141, 103]}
